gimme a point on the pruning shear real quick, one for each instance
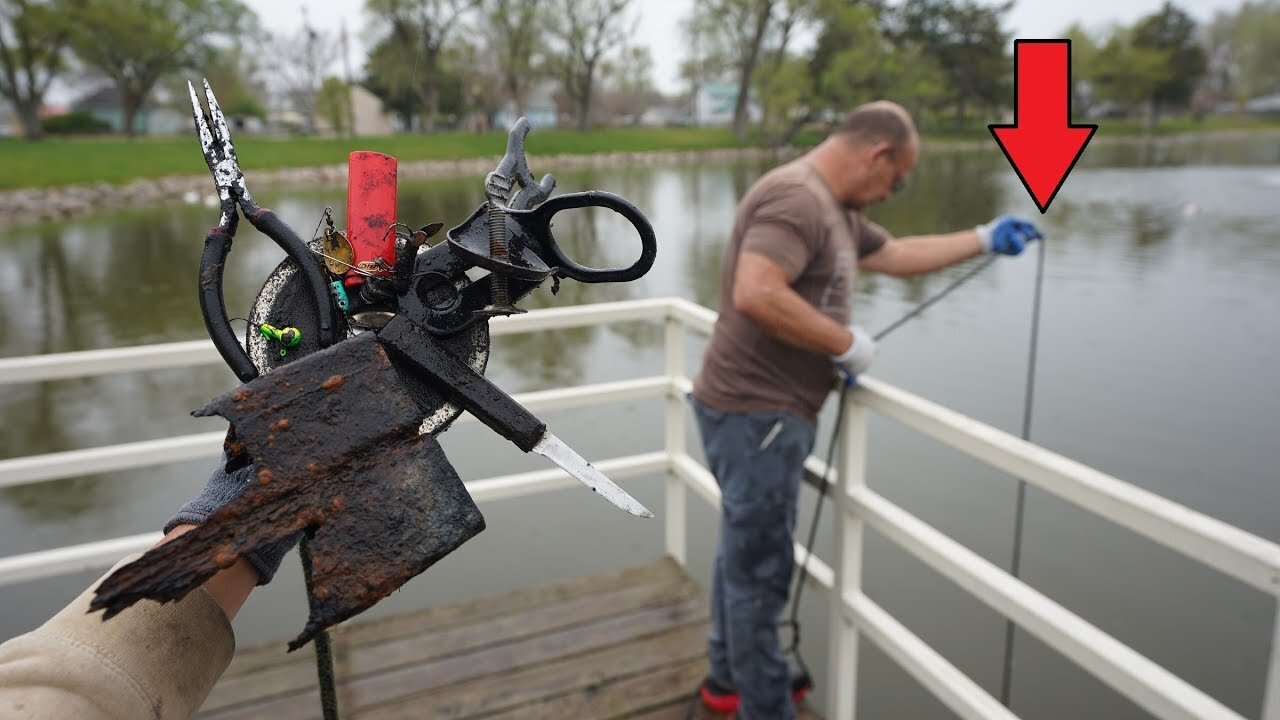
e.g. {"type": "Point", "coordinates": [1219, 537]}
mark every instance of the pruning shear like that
{"type": "Point", "coordinates": [387, 339]}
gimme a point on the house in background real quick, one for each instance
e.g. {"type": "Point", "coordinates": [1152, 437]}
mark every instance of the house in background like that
{"type": "Point", "coordinates": [714, 102]}
{"type": "Point", "coordinates": [369, 116]}
{"type": "Point", "coordinates": [539, 108]}
{"type": "Point", "coordinates": [106, 105]}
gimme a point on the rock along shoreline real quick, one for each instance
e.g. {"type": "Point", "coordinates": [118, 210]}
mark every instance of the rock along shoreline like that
{"type": "Point", "coordinates": [34, 205]}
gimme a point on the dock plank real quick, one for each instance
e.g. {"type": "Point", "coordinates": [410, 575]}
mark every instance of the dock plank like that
{"type": "Point", "coordinates": [628, 644]}
{"type": "Point", "coordinates": [354, 658]}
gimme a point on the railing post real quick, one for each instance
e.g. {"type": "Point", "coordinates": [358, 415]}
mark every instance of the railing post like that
{"type": "Point", "coordinates": [851, 465]}
{"type": "Point", "coordinates": [675, 445]}
{"type": "Point", "coordinates": [1271, 696]}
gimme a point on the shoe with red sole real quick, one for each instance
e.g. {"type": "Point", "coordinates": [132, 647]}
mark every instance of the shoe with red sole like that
{"type": "Point", "coordinates": [721, 697]}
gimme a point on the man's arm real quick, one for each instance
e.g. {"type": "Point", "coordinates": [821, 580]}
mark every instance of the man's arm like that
{"type": "Point", "coordinates": [922, 253]}
{"type": "Point", "coordinates": [762, 291]}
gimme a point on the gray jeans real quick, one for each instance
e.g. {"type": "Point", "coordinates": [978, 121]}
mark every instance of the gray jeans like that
{"type": "Point", "coordinates": [757, 459]}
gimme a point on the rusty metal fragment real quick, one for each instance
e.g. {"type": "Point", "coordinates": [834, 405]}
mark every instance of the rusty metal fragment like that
{"type": "Point", "coordinates": [334, 437]}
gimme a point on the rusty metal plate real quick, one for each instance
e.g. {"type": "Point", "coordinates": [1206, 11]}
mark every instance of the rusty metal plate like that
{"type": "Point", "coordinates": [334, 437]}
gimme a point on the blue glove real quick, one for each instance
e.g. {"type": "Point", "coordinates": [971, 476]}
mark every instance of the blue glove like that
{"type": "Point", "coordinates": [1007, 235]}
{"type": "Point", "coordinates": [222, 488]}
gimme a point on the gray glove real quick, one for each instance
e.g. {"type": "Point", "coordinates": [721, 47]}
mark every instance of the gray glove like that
{"type": "Point", "coordinates": [222, 488]}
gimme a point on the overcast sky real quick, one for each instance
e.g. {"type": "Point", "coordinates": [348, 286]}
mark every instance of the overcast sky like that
{"type": "Point", "coordinates": [659, 26]}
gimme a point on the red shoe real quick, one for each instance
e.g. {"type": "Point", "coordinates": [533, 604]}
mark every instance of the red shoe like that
{"type": "Point", "coordinates": [723, 698]}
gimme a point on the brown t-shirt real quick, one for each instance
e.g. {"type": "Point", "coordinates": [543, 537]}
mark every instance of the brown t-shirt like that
{"type": "Point", "coordinates": [790, 217]}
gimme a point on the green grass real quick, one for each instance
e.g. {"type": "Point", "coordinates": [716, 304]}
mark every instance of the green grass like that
{"type": "Point", "coordinates": [56, 161]}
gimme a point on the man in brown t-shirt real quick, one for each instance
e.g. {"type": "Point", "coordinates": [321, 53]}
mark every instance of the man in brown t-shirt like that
{"type": "Point", "coordinates": [784, 330]}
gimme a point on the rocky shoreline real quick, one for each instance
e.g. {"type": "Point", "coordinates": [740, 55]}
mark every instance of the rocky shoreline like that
{"type": "Point", "coordinates": [34, 205]}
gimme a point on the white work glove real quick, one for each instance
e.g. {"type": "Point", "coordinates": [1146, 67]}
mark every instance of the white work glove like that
{"type": "Point", "coordinates": [858, 357]}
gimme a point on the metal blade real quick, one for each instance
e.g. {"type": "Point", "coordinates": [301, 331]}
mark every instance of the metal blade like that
{"type": "Point", "coordinates": [227, 172]}
{"type": "Point", "coordinates": [554, 449]}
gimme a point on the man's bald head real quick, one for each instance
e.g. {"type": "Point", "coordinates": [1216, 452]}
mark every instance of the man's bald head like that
{"type": "Point", "coordinates": [876, 122]}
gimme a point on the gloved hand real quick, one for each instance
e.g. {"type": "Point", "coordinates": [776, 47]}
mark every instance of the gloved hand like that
{"type": "Point", "coordinates": [1007, 235]}
{"type": "Point", "coordinates": [858, 357]}
{"type": "Point", "coordinates": [222, 488]}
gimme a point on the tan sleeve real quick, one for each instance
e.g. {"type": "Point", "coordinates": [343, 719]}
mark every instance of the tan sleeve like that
{"type": "Point", "coordinates": [153, 660]}
{"type": "Point", "coordinates": [786, 227]}
{"type": "Point", "coordinates": [871, 237]}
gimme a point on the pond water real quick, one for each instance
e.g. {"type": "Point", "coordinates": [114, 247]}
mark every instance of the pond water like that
{"type": "Point", "coordinates": [1158, 354]}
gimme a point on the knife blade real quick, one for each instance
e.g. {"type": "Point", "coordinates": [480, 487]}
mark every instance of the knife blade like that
{"type": "Point", "coordinates": [474, 393]}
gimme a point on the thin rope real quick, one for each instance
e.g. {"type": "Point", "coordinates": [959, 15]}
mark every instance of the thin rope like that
{"type": "Point", "coordinates": [324, 650]}
{"type": "Point", "coordinates": [794, 621]}
{"type": "Point", "coordinates": [1015, 566]}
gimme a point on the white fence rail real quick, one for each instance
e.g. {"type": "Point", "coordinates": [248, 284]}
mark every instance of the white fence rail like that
{"type": "Point", "coordinates": [1238, 554]}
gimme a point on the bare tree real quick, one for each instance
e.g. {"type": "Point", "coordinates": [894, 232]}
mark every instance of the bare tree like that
{"type": "Point", "coordinates": [299, 69]}
{"type": "Point", "coordinates": [629, 84]}
{"type": "Point", "coordinates": [421, 27]}
{"type": "Point", "coordinates": [510, 28]}
{"type": "Point", "coordinates": [586, 31]}
{"type": "Point", "coordinates": [33, 37]}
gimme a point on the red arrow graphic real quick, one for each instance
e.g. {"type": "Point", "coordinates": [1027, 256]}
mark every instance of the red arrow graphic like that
{"type": "Point", "coordinates": [1042, 145]}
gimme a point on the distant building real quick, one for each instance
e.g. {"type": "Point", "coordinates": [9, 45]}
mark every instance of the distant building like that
{"type": "Point", "coordinates": [539, 107]}
{"type": "Point", "coordinates": [1265, 105]}
{"type": "Point", "coordinates": [105, 104]}
{"type": "Point", "coordinates": [369, 115]}
{"type": "Point", "coordinates": [714, 103]}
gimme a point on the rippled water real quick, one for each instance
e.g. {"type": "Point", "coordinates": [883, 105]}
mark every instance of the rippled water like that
{"type": "Point", "coordinates": [1158, 356]}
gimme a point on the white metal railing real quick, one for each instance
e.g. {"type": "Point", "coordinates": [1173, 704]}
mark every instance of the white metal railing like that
{"type": "Point", "coordinates": [1248, 558]}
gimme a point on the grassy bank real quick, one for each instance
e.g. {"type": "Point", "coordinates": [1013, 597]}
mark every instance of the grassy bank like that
{"type": "Point", "coordinates": [55, 162]}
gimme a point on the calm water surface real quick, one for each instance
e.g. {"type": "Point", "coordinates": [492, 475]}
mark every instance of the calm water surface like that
{"type": "Point", "coordinates": [1158, 356]}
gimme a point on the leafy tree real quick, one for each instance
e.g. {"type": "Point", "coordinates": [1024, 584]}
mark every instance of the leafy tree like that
{"type": "Point", "coordinates": [333, 103]}
{"type": "Point", "coordinates": [585, 31]}
{"type": "Point", "coordinates": [966, 41]}
{"type": "Point", "coordinates": [136, 43]}
{"type": "Point", "coordinates": [1244, 51]}
{"type": "Point", "coordinates": [1129, 74]}
{"type": "Point", "coordinates": [390, 77]}
{"type": "Point", "coordinates": [420, 29]}
{"type": "Point", "coordinates": [33, 37]}
{"type": "Point", "coordinates": [1172, 32]}
{"type": "Point", "coordinates": [1084, 58]}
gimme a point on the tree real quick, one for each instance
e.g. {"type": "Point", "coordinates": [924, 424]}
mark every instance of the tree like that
{"type": "Point", "coordinates": [33, 37]}
{"type": "Point", "coordinates": [510, 29]}
{"type": "Point", "coordinates": [1172, 32]}
{"type": "Point", "coordinates": [420, 28]}
{"type": "Point", "coordinates": [738, 28]}
{"type": "Point", "coordinates": [965, 40]}
{"type": "Point", "coordinates": [297, 70]}
{"type": "Point", "coordinates": [1244, 51]}
{"type": "Point", "coordinates": [136, 43]}
{"type": "Point", "coordinates": [1084, 57]}
{"type": "Point", "coordinates": [629, 81]}
{"type": "Point", "coordinates": [1128, 74]}
{"type": "Point", "coordinates": [585, 30]}
{"type": "Point", "coordinates": [333, 103]}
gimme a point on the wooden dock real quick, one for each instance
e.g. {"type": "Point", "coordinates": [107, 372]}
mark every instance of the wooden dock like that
{"type": "Point", "coordinates": [628, 644]}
